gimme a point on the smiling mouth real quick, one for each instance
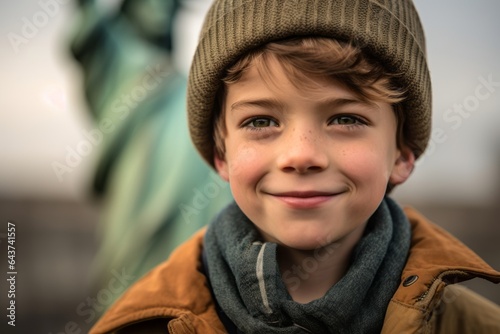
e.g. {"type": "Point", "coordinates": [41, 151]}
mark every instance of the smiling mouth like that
{"type": "Point", "coordinates": [305, 199]}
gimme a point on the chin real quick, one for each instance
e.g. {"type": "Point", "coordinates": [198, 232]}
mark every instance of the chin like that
{"type": "Point", "coordinates": [304, 242]}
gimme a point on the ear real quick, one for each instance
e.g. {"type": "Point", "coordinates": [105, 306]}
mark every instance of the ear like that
{"type": "Point", "coordinates": [221, 167]}
{"type": "Point", "coordinates": [403, 166]}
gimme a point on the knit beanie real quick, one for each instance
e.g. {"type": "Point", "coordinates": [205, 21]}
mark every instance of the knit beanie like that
{"type": "Point", "coordinates": [388, 30]}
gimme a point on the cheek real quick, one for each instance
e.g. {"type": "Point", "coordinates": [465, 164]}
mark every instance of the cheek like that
{"type": "Point", "coordinates": [367, 165]}
{"type": "Point", "coordinates": [242, 161]}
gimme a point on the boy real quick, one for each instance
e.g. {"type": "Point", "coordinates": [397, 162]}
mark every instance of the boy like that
{"type": "Point", "coordinates": [312, 111]}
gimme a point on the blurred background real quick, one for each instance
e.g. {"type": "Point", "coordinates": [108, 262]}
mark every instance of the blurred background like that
{"type": "Point", "coordinates": [44, 116]}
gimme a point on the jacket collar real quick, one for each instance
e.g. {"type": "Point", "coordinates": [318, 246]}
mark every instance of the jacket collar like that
{"type": "Point", "coordinates": [436, 259]}
{"type": "Point", "coordinates": [435, 255]}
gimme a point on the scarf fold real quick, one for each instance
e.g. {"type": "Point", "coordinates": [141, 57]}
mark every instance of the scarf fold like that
{"type": "Point", "coordinates": [249, 288]}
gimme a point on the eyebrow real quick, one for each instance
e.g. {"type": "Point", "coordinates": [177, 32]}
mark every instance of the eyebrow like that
{"type": "Point", "coordinates": [334, 103]}
{"type": "Point", "coordinates": [260, 103]}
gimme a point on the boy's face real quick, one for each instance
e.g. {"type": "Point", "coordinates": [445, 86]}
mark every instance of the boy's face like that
{"type": "Point", "coordinates": [308, 168]}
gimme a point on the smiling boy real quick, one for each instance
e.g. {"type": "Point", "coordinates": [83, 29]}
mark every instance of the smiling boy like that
{"type": "Point", "coordinates": [312, 111]}
{"type": "Point", "coordinates": [294, 158]}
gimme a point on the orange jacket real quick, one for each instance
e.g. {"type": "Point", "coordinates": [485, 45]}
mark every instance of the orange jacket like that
{"type": "Point", "coordinates": [174, 297]}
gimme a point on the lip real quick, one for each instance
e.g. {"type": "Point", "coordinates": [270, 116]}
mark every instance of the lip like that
{"type": "Point", "coordinates": [304, 199]}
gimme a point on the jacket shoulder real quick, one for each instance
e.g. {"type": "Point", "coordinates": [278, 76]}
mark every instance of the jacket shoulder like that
{"type": "Point", "coordinates": [174, 294]}
{"type": "Point", "coordinates": [463, 311]}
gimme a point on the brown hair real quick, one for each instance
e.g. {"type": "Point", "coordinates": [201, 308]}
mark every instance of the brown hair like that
{"type": "Point", "coordinates": [302, 58]}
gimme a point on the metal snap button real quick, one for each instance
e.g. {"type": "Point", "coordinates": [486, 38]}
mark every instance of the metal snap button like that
{"type": "Point", "coordinates": [410, 280]}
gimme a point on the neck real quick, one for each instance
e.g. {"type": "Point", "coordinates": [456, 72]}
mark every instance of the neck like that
{"type": "Point", "coordinates": [309, 274]}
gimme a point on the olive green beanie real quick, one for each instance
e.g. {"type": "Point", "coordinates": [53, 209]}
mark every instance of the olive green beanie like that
{"type": "Point", "coordinates": [388, 30]}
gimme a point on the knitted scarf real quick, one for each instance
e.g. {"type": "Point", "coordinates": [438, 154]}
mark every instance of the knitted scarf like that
{"type": "Point", "coordinates": [248, 286]}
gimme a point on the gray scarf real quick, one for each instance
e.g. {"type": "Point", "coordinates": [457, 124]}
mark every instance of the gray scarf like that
{"type": "Point", "coordinates": [248, 286]}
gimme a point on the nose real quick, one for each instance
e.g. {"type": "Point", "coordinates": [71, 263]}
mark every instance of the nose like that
{"type": "Point", "coordinates": [303, 151]}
